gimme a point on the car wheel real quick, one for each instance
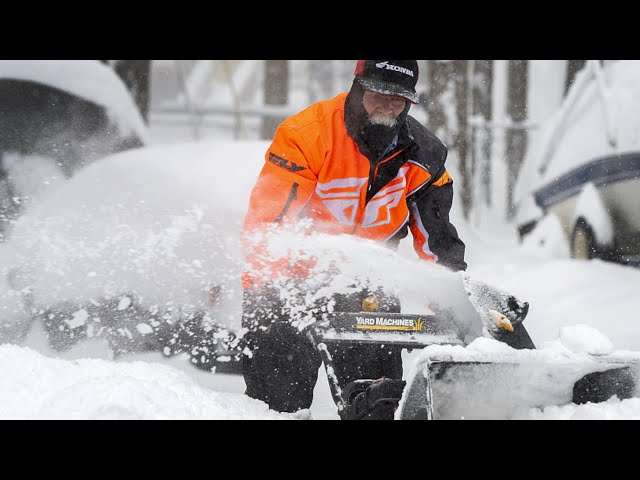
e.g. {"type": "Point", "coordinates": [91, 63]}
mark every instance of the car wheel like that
{"type": "Point", "coordinates": [583, 243]}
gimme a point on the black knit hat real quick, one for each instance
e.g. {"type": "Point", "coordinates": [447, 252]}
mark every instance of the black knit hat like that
{"type": "Point", "coordinates": [389, 77]}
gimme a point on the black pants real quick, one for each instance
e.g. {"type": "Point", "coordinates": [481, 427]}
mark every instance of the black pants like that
{"type": "Point", "coordinates": [281, 365]}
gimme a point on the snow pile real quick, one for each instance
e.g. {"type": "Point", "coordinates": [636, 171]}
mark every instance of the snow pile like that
{"type": "Point", "coordinates": [590, 206]}
{"type": "Point", "coordinates": [548, 239]}
{"type": "Point", "coordinates": [93, 389]}
{"type": "Point", "coordinates": [581, 338]}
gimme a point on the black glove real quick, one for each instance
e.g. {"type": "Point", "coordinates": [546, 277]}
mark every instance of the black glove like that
{"type": "Point", "coordinates": [486, 298]}
{"type": "Point", "coordinates": [372, 399]}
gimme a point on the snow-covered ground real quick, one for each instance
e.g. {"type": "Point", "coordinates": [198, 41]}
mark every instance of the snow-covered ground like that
{"type": "Point", "coordinates": [164, 222]}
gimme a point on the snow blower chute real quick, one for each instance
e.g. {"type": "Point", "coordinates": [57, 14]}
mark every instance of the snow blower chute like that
{"type": "Point", "coordinates": [454, 378]}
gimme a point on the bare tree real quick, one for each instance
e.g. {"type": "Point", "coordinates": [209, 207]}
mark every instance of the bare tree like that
{"type": "Point", "coordinates": [136, 75]}
{"type": "Point", "coordinates": [321, 79]}
{"type": "Point", "coordinates": [573, 67]}
{"type": "Point", "coordinates": [516, 135]}
{"type": "Point", "coordinates": [437, 71]}
{"type": "Point", "coordinates": [448, 85]}
{"type": "Point", "coordinates": [480, 132]}
{"type": "Point", "coordinates": [276, 90]}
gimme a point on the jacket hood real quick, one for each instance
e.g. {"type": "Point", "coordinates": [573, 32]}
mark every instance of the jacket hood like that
{"type": "Point", "coordinates": [372, 140]}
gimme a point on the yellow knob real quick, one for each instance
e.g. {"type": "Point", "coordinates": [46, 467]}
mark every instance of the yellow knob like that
{"type": "Point", "coordinates": [370, 303]}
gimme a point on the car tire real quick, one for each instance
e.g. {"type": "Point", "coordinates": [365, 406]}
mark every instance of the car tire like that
{"type": "Point", "coordinates": [583, 242]}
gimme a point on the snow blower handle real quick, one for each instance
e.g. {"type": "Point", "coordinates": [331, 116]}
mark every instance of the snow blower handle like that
{"type": "Point", "coordinates": [334, 385]}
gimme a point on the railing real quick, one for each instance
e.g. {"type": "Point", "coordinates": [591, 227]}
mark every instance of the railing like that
{"type": "Point", "coordinates": [196, 116]}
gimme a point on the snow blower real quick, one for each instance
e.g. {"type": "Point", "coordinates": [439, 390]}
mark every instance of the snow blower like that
{"type": "Point", "coordinates": [458, 378]}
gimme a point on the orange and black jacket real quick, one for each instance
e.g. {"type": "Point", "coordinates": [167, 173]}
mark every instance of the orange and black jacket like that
{"type": "Point", "coordinates": [314, 169]}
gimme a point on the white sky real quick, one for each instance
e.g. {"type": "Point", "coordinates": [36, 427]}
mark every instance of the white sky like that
{"type": "Point", "coordinates": [164, 222]}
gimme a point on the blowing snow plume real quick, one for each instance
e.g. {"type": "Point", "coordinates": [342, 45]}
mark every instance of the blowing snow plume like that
{"type": "Point", "coordinates": [61, 116]}
{"type": "Point", "coordinates": [340, 271]}
{"type": "Point", "coordinates": [152, 235]}
{"type": "Point", "coordinates": [149, 227]}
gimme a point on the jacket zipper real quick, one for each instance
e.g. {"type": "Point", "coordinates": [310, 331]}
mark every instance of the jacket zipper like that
{"type": "Point", "coordinates": [373, 171]}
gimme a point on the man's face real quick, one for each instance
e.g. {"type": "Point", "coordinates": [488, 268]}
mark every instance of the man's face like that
{"type": "Point", "coordinates": [383, 109]}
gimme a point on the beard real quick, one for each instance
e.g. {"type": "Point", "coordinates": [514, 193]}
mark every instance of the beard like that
{"type": "Point", "coordinates": [378, 136]}
{"type": "Point", "coordinates": [383, 120]}
{"type": "Point", "coordinates": [372, 133]}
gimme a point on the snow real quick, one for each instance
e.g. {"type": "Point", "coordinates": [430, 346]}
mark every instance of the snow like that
{"type": "Point", "coordinates": [47, 388]}
{"type": "Point", "coordinates": [548, 239]}
{"type": "Point", "coordinates": [582, 338]}
{"type": "Point", "coordinates": [161, 223]}
{"type": "Point", "coordinates": [159, 226]}
{"type": "Point", "coordinates": [590, 206]}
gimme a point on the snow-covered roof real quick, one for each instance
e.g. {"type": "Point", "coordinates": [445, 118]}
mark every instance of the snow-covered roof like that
{"type": "Point", "coordinates": [88, 79]}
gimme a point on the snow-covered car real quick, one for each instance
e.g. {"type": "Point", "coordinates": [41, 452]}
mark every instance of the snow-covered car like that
{"type": "Point", "coordinates": [585, 171]}
{"type": "Point", "coordinates": [56, 117]}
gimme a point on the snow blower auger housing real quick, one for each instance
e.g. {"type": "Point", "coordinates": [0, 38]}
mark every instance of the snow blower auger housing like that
{"type": "Point", "coordinates": [452, 381]}
{"type": "Point", "coordinates": [375, 399]}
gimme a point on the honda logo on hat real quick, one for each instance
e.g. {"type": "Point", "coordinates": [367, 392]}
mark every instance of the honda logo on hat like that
{"type": "Point", "coordinates": [397, 68]}
{"type": "Point", "coordinates": [389, 77]}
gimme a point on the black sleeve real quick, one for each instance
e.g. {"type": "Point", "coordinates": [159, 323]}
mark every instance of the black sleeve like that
{"type": "Point", "coordinates": [430, 213]}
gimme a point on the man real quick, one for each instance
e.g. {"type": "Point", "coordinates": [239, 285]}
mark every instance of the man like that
{"type": "Point", "coordinates": [357, 164]}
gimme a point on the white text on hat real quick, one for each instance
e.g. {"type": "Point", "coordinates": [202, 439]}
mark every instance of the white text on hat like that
{"type": "Point", "coordinates": [386, 65]}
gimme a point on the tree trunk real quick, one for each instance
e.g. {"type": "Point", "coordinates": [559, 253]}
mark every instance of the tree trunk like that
{"type": "Point", "coordinates": [136, 74]}
{"type": "Point", "coordinates": [460, 143]}
{"type": "Point", "coordinates": [321, 79]}
{"type": "Point", "coordinates": [516, 135]}
{"type": "Point", "coordinates": [276, 89]}
{"type": "Point", "coordinates": [437, 84]}
{"type": "Point", "coordinates": [448, 84]}
{"type": "Point", "coordinates": [573, 67]}
{"type": "Point", "coordinates": [481, 134]}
